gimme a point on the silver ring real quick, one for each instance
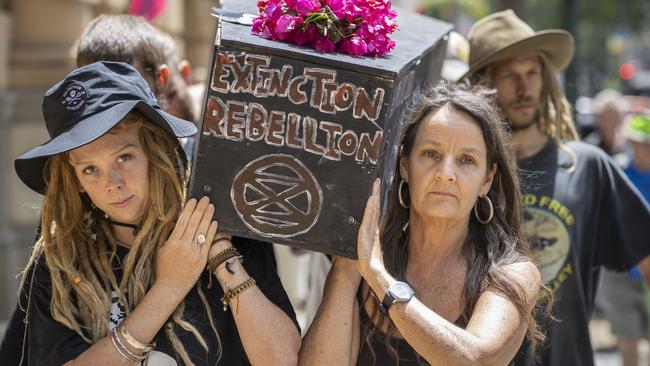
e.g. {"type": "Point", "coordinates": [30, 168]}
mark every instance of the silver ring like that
{"type": "Point", "coordinates": [200, 239]}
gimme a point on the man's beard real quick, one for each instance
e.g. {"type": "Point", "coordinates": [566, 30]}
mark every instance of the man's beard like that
{"type": "Point", "coordinates": [527, 100]}
{"type": "Point", "coordinates": [521, 127]}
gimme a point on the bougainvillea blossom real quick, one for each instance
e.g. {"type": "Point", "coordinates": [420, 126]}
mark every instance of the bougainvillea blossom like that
{"type": "Point", "coordinates": [356, 27]}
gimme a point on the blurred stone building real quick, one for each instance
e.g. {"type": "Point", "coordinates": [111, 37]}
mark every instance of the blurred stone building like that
{"type": "Point", "coordinates": [37, 46]}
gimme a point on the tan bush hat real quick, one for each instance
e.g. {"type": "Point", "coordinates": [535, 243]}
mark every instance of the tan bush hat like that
{"type": "Point", "coordinates": [501, 35]}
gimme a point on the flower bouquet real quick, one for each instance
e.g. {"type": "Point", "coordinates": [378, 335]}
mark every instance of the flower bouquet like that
{"type": "Point", "coordinates": [355, 27]}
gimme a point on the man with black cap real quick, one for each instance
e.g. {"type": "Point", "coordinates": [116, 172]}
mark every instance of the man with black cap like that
{"type": "Point", "coordinates": [581, 211]}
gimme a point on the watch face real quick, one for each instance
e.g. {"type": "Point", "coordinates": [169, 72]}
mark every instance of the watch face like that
{"type": "Point", "coordinates": [401, 291]}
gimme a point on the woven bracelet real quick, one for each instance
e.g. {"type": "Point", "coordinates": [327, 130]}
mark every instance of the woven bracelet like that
{"type": "Point", "coordinates": [220, 255]}
{"type": "Point", "coordinates": [231, 294]}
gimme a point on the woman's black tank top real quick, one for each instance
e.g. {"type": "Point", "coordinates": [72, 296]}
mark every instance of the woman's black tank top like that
{"type": "Point", "coordinates": [407, 356]}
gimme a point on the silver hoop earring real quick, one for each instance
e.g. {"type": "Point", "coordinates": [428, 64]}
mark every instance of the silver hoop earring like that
{"type": "Point", "coordinates": [399, 194]}
{"type": "Point", "coordinates": [490, 216]}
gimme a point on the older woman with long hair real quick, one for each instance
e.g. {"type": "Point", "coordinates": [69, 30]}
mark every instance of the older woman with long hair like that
{"type": "Point", "coordinates": [445, 277]}
{"type": "Point", "coordinates": [119, 274]}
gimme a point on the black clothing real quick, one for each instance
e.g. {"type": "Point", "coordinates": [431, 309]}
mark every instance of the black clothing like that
{"type": "Point", "coordinates": [578, 219]}
{"type": "Point", "coordinates": [407, 356]}
{"type": "Point", "coordinates": [13, 348]}
{"type": "Point", "coordinates": [51, 343]}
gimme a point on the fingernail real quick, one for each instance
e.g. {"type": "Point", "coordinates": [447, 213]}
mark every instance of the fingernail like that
{"type": "Point", "coordinates": [192, 200]}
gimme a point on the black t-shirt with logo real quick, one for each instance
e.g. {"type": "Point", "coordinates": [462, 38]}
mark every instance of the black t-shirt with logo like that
{"type": "Point", "coordinates": [577, 219]}
{"type": "Point", "coordinates": [52, 343]}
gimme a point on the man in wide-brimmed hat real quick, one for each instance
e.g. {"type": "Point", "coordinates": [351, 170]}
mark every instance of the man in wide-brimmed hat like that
{"type": "Point", "coordinates": [581, 212]}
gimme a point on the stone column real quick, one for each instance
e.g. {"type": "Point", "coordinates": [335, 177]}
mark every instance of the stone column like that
{"type": "Point", "coordinates": [199, 35]}
{"type": "Point", "coordinates": [5, 41]}
{"type": "Point", "coordinates": [43, 33]}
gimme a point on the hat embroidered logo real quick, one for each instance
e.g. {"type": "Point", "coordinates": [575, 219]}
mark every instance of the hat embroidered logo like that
{"type": "Point", "coordinates": [74, 96]}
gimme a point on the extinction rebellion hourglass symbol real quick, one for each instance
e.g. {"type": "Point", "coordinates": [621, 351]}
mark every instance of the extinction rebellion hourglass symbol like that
{"type": "Point", "coordinates": [277, 196]}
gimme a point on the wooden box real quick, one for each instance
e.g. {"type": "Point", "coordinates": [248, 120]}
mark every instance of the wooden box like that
{"type": "Point", "coordinates": [292, 139]}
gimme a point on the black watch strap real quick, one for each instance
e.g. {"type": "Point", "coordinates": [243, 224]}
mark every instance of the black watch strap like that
{"type": "Point", "coordinates": [386, 303]}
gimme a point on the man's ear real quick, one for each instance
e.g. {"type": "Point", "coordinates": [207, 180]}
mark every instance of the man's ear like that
{"type": "Point", "coordinates": [489, 178]}
{"type": "Point", "coordinates": [163, 76]}
{"type": "Point", "coordinates": [185, 69]}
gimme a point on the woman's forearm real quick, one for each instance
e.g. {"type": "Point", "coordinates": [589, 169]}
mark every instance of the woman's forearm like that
{"type": "Point", "coordinates": [268, 335]}
{"type": "Point", "coordinates": [333, 338]}
{"type": "Point", "coordinates": [491, 338]}
{"type": "Point", "coordinates": [143, 323]}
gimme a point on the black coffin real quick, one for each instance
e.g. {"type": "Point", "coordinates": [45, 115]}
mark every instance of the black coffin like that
{"type": "Point", "coordinates": [292, 139]}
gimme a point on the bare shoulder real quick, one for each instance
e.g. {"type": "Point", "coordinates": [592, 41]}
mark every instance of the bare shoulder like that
{"type": "Point", "coordinates": [527, 275]}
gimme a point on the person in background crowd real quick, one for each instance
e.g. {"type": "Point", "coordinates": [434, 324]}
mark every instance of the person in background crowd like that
{"type": "Point", "coordinates": [621, 295]}
{"type": "Point", "coordinates": [455, 63]}
{"type": "Point", "coordinates": [610, 108]}
{"type": "Point", "coordinates": [581, 211]}
{"type": "Point", "coordinates": [131, 39]}
{"type": "Point", "coordinates": [445, 278]}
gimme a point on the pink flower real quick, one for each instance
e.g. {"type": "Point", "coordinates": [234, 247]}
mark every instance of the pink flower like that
{"type": "Point", "coordinates": [337, 6]}
{"type": "Point", "coordinates": [358, 27]}
{"type": "Point", "coordinates": [307, 36]}
{"type": "Point", "coordinates": [259, 24]}
{"type": "Point", "coordinates": [304, 7]}
{"type": "Point", "coordinates": [345, 9]}
{"type": "Point", "coordinates": [354, 45]}
{"type": "Point", "coordinates": [273, 10]}
{"type": "Point", "coordinates": [324, 45]}
{"type": "Point", "coordinates": [287, 23]}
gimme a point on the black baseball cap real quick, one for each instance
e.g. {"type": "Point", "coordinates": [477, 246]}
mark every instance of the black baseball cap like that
{"type": "Point", "coordinates": [87, 104]}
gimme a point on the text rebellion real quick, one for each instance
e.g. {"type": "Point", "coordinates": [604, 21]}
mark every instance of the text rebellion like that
{"type": "Point", "coordinates": [237, 120]}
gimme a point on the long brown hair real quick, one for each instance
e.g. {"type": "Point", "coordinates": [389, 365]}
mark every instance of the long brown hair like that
{"type": "Point", "coordinates": [487, 248]}
{"type": "Point", "coordinates": [78, 244]}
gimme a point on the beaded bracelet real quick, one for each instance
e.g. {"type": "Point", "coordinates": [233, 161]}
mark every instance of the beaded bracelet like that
{"type": "Point", "coordinates": [221, 255]}
{"type": "Point", "coordinates": [215, 262]}
{"type": "Point", "coordinates": [123, 350]}
{"type": "Point", "coordinates": [231, 294]}
{"type": "Point", "coordinates": [134, 343]}
{"type": "Point", "coordinates": [219, 259]}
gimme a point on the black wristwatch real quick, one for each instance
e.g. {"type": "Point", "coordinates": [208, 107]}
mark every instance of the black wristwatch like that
{"type": "Point", "coordinates": [397, 292]}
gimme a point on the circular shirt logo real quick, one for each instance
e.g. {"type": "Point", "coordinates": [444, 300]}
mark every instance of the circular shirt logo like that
{"type": "Point", "coordinates": [277, 196]}
{"type": "Point", "coordinates": [74, 97]}
{"type": "Point", "coordinates": [549, 241]}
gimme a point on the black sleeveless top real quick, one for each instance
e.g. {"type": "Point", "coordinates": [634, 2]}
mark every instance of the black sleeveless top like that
{"type": "Point", "coordinates": [407, 356]}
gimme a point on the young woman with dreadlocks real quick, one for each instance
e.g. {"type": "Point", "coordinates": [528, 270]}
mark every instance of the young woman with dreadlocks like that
{"type": "Point", "coordinates": [118, 276]}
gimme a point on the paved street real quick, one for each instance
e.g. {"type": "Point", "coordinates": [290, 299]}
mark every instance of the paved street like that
{"type": "Point", "coordinates": [604, 343]}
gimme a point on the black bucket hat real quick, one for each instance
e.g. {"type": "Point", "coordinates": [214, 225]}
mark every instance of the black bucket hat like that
{"type": "Point", "coordinates": [87, 104]}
